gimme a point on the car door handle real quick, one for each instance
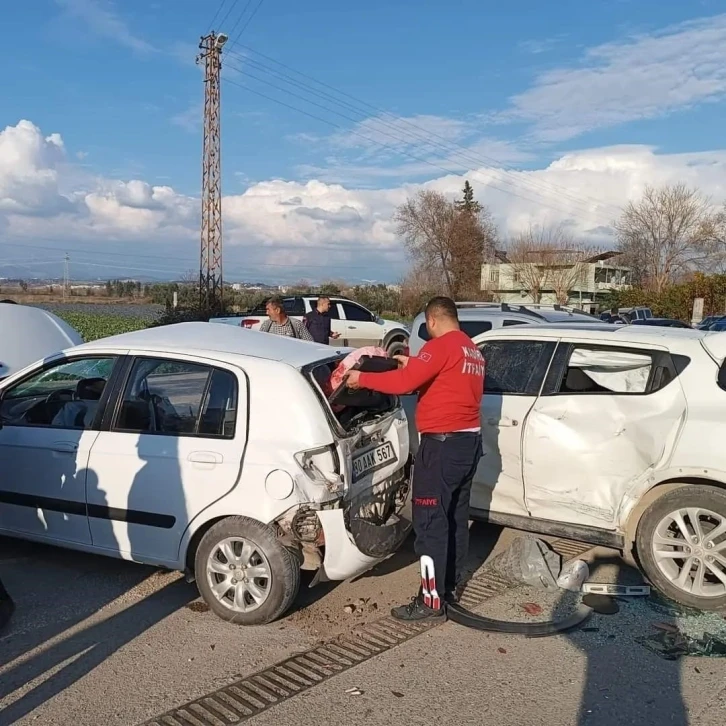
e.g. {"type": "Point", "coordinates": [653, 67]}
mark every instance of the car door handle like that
{"type": "Point", "coordinates": [351, 327]}
{"type": "Point", "coordinates": [205, 457]}
{"type": "Point", "coordinates": [502, 422]}
{"type": "Point", "coordinates": [65, 447]}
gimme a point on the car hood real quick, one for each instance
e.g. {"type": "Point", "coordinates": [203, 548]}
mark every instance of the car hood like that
{"type": "Point", "coordinates": [31, 334]}
{"type": "Point", "coordinates": [393, 325]}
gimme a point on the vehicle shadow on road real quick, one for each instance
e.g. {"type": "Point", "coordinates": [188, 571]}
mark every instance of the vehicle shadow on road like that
{"type": "Point", "coordinates": [86, 649]}
{"type": "Point", "coordinates": [622, 677]}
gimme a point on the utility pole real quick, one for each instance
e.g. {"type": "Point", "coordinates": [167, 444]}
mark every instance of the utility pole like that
{"type": "Point", "coordinates": [66, 276]}
{"type": "Point", "coordinates": [210, 262]}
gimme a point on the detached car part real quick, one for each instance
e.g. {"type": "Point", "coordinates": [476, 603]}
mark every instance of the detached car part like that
{"type": "Point", "coordinates": [457, 614]}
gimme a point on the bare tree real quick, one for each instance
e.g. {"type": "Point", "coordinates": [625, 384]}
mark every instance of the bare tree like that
{"type": "Point", "coordinates": [567, 269]}
{"type": "Point", "coordinates": [419, 286]}
{"type": "Point", "coordinates": [667, 233]}
{"type": "Point", "coordinates": [525, 254]}
{"type": "Point", "coordinates": [452, 239]}
{"type": "Point", "coordinates": [714, 229]}
{"type": "Point", "coordinates": [427, 223]}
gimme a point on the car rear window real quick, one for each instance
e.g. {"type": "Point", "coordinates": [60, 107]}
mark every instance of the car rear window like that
{"type": "Point", "coordinates": [292, 306]}
{"type": "Point", "coordinates": [471, 327]}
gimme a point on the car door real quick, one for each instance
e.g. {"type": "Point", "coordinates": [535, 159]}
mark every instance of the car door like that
{"type": "Point", "coordinates": [608, 415]}
{"type": "Point", "coordinates": [172, 445]}
{"type": "Point", "coordinates": [361, 326]}
{"type": "Point", "coordinates": [515, 371]}
{"type": "Point", "coordinates": [336, 324]}
{"type": "Point", "coordinates": [51, 419]}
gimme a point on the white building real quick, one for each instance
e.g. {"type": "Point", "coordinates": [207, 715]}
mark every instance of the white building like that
{"type": "Point", "coordinates": [588, 282]}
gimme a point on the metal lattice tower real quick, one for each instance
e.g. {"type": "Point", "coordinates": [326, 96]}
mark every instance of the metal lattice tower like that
{"type": "Point", "coordinates": [210, 263]}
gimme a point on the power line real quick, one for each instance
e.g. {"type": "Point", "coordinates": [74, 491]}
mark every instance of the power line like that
{"type": "Point", "coordinates": [335, 248]}
{"type": "Point", "coordinates": [401, 137]}
{"type": "Point", "coordinates": [239, 18]}
{"type": "Point", "coordinates": [224, 19]}
{"type": "Point", "coordinates": [169, 270]}
{"type": "Point", "coordinates": [220, 7]}
{"type": "Point", "coordinates": [249, 20]}
{"type": "Point", "coordinates": [427, 134]}
{"type": "Point", "coordinates": [428, 162]}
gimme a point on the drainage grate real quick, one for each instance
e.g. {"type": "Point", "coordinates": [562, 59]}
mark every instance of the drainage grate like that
{"type": "Point", "coordinates": [249, 696]}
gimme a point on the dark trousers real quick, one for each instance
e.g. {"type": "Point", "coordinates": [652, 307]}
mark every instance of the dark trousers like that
{"type": "Point", "coordinates": [442, 476]}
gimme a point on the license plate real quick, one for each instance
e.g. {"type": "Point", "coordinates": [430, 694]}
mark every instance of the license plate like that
{"type": "Point", "coordinates": [373, 460]}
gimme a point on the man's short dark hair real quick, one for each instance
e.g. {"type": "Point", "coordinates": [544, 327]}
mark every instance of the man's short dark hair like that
{"type": "Point", "coordinates": [441, 307]}
{"type": "Point", "coordinates": [276, 302]}
{"type": "Point", "coordinates": [323, 297]}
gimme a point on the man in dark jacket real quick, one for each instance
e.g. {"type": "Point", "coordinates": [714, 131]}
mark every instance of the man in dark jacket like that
{"type": "Point", "coordinates": [318, 322]}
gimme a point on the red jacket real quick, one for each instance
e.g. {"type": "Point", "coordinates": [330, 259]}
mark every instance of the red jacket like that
{"type": "Point", "coordinates": [448, 373]}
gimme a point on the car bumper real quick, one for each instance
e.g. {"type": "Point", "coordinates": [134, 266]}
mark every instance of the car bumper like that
{"type": "Point", "coordinates": [351, 551]}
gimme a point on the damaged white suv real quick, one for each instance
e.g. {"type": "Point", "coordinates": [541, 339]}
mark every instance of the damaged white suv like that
{"type": "Point", "coordinates": [614, 435]}
{"type": "Point", "coordinates": [209, 450]}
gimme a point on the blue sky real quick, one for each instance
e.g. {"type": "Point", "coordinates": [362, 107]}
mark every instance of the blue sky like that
{"type": "Point", "coordinates": [563, 104]}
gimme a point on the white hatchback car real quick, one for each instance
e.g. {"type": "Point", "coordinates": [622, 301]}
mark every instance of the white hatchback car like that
{"type": "Point", "coordinates": [29, 334]}
{"type": "Point", "coordinates": [612, 435]}
{"type": "Point", "coordinates": [206, 449]}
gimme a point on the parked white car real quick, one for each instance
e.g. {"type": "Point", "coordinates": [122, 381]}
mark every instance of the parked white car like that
{"type": "Point", "coordinates": [357, 326]}
{"type": "Point", "coordinates": [208, 450]}
{"type": "Point", "coordinates": [29, 334]}
{"type": "Point", "coordinates": [479, 317]}
{"type": "Point", "coordinates": [612, 435]}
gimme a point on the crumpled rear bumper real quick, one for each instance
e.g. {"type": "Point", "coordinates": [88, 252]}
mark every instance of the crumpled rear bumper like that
{"type": "Point", "coordinates": [350, 552]}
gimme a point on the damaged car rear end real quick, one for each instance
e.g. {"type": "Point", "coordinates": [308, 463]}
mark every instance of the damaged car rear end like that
{"type": "Point", "coordinates": [323, 487]}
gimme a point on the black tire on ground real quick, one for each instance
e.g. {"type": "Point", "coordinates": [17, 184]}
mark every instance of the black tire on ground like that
{"type": "Point", "coordinates": [700, 496]}
{"type": "Point", "coordinates": [283, 564]}
{"type": "Point", "coordinates": [396, 347]}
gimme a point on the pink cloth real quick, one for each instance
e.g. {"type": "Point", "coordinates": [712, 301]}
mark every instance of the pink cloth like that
{"type": "Point", "coordinates": [348, 362]}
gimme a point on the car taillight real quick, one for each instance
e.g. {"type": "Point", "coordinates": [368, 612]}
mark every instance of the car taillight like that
{"type": "Point", "coordinates": [248, 322]}
{"type": "Point", "coordinates": [322, 465]}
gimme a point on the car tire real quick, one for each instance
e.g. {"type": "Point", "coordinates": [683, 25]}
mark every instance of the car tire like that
{"type": "Point", "coordinates": [664, 521]}
{"type": "Point", "coordinates": [396, 347]}
{"type": "Point", "coordinates": [233, 548]}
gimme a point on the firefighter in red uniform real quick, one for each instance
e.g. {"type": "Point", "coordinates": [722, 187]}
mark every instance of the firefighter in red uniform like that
{"type": "Point", "coordinates": [448, 374]}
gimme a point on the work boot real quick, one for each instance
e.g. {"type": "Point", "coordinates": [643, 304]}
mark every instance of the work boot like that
{"type": "Point", "coordinates": [418, 612]}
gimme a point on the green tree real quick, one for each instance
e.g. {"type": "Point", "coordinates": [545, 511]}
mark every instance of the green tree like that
{"type": "Point", "coordinates": [467, 203]}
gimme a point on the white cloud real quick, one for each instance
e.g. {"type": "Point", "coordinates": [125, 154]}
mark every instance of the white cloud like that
{"type": "Point", "coordinates": [388, 147]}
{"type": "Point", "coordinates": [643, 77]}
{"type": "Point", "coordinates": [285, 230]}
{"type": "Point", "coordinates": [101, 18]}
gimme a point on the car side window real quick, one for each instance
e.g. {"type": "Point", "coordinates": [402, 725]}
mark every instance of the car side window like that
{"type": "Point", "coordinates": [610, 370]}
{"type": "Point", "coordinates": [332, 312]}
{"type": "Point", "coordinates": [508, 323]}
{"type": "Point", "coordinates": [177, 398]}
{"type": "Point", "coordinates": [471, 327]}
{"type": "Point", "coordinates": [66, 395]}
{"type": "Point", "coordinates": [516, 367]}
{"type": "Point", "coordinates": [356, 312]}
{"type": "Point", "coordinates": [294, 305]}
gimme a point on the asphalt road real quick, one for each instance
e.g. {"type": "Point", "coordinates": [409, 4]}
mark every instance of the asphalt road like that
{"type": "Point", "coordinates": [98, 641]}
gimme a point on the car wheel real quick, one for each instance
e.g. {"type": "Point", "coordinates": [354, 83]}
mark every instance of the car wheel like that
{"type": "Point", "coordinates": [396, 347]}
{"type": "Point", "coordinates": [681, 545]}
{"type": "Point", "coordinates": [244, 573]}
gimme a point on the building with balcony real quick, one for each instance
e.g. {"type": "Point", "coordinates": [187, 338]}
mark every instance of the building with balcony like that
{"type": "Point", "coordinates": [586, 283]}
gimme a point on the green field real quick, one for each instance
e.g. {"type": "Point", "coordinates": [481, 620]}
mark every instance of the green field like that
{"type": "Point", "coordinates": [92, 325]}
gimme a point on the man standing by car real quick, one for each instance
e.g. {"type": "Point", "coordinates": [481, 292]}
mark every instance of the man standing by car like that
{"type": "Point", "coordinates": [279, 323]}
{"type": "Point", "coordinates": [318, 322]}
{"type": "Point", "coordinates": [448, 374]}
